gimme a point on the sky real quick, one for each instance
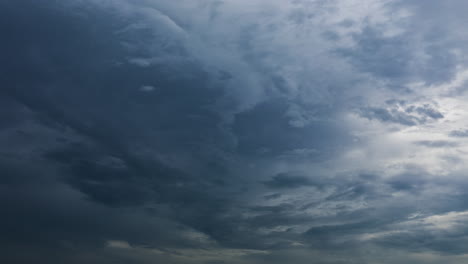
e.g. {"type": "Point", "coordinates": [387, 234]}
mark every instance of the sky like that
{"type": "Point", "coordinates": [233, 131]}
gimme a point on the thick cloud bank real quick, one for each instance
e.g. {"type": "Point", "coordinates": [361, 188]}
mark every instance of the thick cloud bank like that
{"type": "Point", "coordinates": [233, 131]}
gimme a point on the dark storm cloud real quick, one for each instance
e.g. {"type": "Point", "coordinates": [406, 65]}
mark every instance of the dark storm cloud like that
{"type": "Point", "coordinates": [110, 163]}
{"type": "Point", "coordinates": [140, 131]}
{"type": "Point", "coordinates": [56, 78]}
{"type": "Point", "coordinates": [283, 180]}
{"type": "Point", "coordinates": [272, 196]}
{"type": "Point", "coordinates": [269, 129]}
{"type": "Point", "coordinates": [409, 181]}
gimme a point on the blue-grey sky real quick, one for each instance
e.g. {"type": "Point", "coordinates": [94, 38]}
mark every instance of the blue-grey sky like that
{"type": "Point", "coordinates": [233, 131]}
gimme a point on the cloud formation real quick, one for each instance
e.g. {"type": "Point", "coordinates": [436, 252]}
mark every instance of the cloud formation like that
{"type": "Point", "coordinates": [135, 131]}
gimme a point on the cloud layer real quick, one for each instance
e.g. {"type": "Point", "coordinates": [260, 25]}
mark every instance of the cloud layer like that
{"type": "Point", "coordinates": [207, 131]}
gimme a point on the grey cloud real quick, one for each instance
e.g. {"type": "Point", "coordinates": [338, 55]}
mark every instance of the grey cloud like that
{"type": "Point", "coordinates": [400, 112]}
{"type": "Point", "coordinates": [385, 115]}
{"type": "Point", "coordinates": [459, 133]}
{"type": "Point", "coordinates": [409, 181]}
{"type": "Point", "coordinates": [272, 196]}
{"type": "Point", "coordinates": [284, 180]}
{"type": "Point", "coordinates": [426, 110]}
{"type": "Point", "coordinates": [421, 235]}
{"type": "Point", "coordinates": [404, 57]}
{"type": "Point", "coordinates": [240, 152]}
{"type": "Point", "coordinates": [268, 129]}
{"type": "Point", "coordinates": [436, 143]}
{"type": "Point", "coordinates": [384, 57]}
{"type": "Point", "coordinates": [87, 153]}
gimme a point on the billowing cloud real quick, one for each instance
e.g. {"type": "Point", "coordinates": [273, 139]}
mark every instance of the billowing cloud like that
{"type": "Point", "coordinates": [206, 131]}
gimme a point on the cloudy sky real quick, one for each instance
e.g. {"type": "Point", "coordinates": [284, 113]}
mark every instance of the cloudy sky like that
{"type": "Point", "coordinates": [233, 131]}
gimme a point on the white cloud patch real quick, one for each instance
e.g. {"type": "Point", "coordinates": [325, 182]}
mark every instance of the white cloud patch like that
{"type": "Point", "coordinates": [147, 88]}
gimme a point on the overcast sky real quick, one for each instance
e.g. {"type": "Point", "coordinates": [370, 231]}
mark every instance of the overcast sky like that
{"type": "Point", "coordinates": [233, 131]}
